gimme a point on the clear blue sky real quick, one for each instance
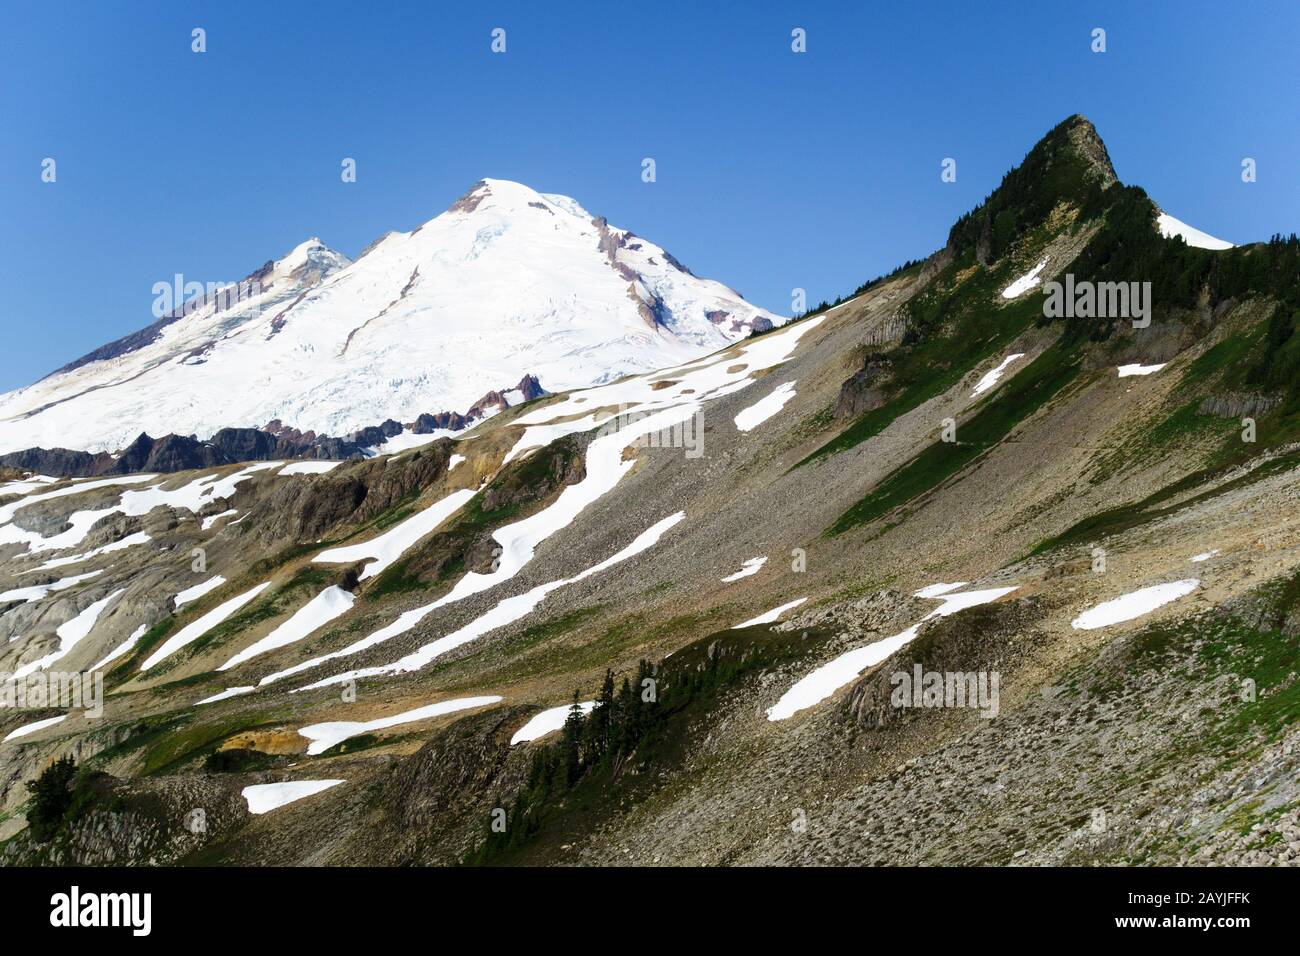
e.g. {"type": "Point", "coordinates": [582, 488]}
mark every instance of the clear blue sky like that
{"type": "Point", "coordinates": [775, 170]}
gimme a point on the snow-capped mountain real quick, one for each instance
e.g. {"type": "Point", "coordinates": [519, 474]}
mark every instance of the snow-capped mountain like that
{"type": "Point", "coordinates": [507, 281]}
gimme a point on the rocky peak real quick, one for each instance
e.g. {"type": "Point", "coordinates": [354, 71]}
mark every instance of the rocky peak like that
{"type": "Point", "coordinates": [1070, 166]}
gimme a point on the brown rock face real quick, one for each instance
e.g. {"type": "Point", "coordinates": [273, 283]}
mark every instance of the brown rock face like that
{"type": "Point", "coordinates": [863, 391]}
{"type": "Point", "coordinates": [469, 202]}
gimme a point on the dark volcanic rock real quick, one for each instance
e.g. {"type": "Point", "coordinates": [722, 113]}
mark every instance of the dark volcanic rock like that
{"type": "Point", "coordinates": [230, 446]}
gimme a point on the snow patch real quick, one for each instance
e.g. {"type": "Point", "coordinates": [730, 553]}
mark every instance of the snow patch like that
{"type": "Point", "coordinates": [936, 590]}
{"type": "Point", "coordinates": [767, 617]}
{"type": "Point", "coordinates": [34, 726]}
{"type": "Point", "coordinates": [1171, 227]}
{"type": "Point", "coordinates": [506, 612]}
{"type": "Point", "coordinates": [210, 520]}
{"type": "Point", "coordinates": [1125, 371]}
{"type": "Point", "coordinates": [746, 569]}
{"type": "Point", "coordinates": [309, 467]}
{"type": "Point", "coordinates": [1025, 282]}
{"type": "Point", "coordinates": [265, 797]}
{"type": "Point", "coordinates": [992, 377]}
{"type": "Point", "coordinates": [326, 735]}
{"type": "Point", "coordinates": [130, 541]}
{"type": "Point", "coordinates": [547, 722]}
{"type": "Point", "coordinates": [315, 614]}
{"type": "Point", "coordinates": [196, 592]}
{"type": "Point", "coordinates": [196, 629]}
{"type": "Point", "coordinates": [226, 694]}
{"type": "Point", "coordinates": [1135, 604]}
{"type": "Point", "coordinates": [750, 418]}
{"type": "Point", "coordinates": [38, 591]}
{"type": "Point", "coordinates": [386, 549]}
{"type": "Point", "coordinates": [830, 677]}
{"type": "Point", "coordinates": [70, 634]}
{"type": "Point", "coordinates": [121, 649]}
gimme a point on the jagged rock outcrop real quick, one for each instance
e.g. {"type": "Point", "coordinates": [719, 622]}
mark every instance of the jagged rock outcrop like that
{"type": "Point", "coordinates": [274, 442]}
{"type": "Point", "coordinates": [144, 822]}
{"type": "Point", "coordinates": [863, 391]}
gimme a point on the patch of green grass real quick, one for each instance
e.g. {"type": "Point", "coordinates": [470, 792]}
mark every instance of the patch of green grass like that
{"type": "Point", "coordinates": [1230, 351]}
{"type": "Point", "coordinates": [240, 760]}
{"type": "Point", "coordinates": [1226, 645]}
{"type": "Point", "coordinates": [170, 750]}
{"type": "Point", "coordinates": [148, 641]}
{"type": "Point", "coordinates": [1126, 516]}
{"type": "Point", "coordinates": [548, 631]}
{"type": "Point", "coordinates": [956, 327]}
{"type": "Point", "coordinates": [395, 579]}
{"type": "Point", "coordinates": [1187, 424]}
{"type": "Point", "coordinates": [392, 517]}
{"type": "Point", "coordinates": [1016, 401]}
{"type": "Point", "coordinates": [146, 732]}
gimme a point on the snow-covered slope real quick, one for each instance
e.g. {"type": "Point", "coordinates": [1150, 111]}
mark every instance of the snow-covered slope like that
{"type": "Point", "coordinates": [507, 281]}
{"type": "Point", "coordinates": [1170, 227]}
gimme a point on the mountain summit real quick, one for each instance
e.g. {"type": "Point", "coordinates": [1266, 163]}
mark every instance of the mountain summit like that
{"type": "Point", "coordinates": [1069, 165]}
{"type": "Point", "coordinates": [507, 282]}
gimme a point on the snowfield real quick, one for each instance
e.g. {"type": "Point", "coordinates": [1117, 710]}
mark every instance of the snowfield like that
{"type": "Point", "coordinates": [34, 726]}
{"type": "Point", "coordinates": [1025, 282]}
{"type": "Point", "coordinates": [196, 592]}
{"type": "Point", "coordinates": [1135, 604]}
{"type": "Point", "coordinates": [1126, 371]}
{"type": "Point", "coordinates": [121, 649]}
{"type": "Point", "coordinates": [650, 411]}
{"type": "Point", "coordinates": [506, 612]}
{"type": "Point", "coordinates": [309, 467]}
{"type": "Point", "coordinates": [992, 377]}
{"type": "Point", "coordinates": [389, 547]}
{"type": "Point", "coordinates": [265, 797]}
{"type": "Point", "coordinates": [192, 496]}
{"type": "Point", "coordinates": [38, 591]}
{"type": "Point", "coordinates": [1170, 227]}
{"type": "Point", "coordinates": [753, 416]}
{"type": "Point", "coordinates": [746, 569]}
{"type": "Point", "coordinates": [547, 722]}
{"type": "Point", "coordinates": [315, 614]}
{"type": "Point", "coordinates": [769, 617]}
{"type": "Point", "coordinates": [829, 678]}
{"type": "Point", "coordinates": [70, 634]}
{"type": "Point", "coordinates": [324, 736]}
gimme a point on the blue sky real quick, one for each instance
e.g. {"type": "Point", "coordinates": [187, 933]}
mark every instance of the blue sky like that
{"type": "Point", "coordinates": [775, 170]}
